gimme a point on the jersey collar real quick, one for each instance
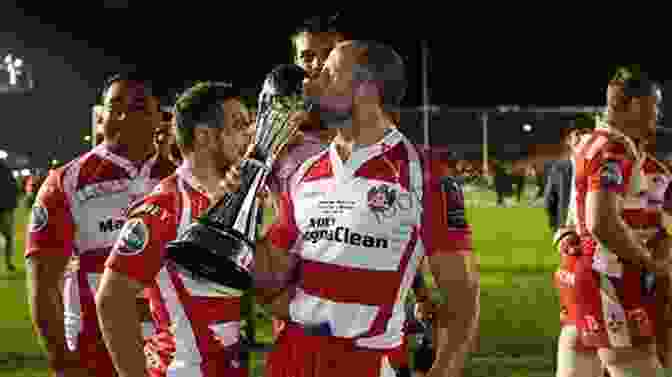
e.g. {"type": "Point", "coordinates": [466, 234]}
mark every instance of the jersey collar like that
{"type": "Point", "coordinates": [346, 170]}
{"type": "Point", "coordinates": [103, 151]}
{"type": "Point", "coordinates": [185, 173]}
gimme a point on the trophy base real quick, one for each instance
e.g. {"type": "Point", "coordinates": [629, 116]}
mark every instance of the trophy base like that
{"type": "Point", "coordinates": [216, 256]}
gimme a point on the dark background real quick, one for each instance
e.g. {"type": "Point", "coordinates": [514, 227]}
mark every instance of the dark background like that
{"type": "Point", "coordinates": [73, 47]}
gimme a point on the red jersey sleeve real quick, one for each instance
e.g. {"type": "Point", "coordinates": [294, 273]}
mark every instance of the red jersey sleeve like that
{"type": "Point", "coordinates": [51, 227]}
{"type": "Point", "coordinates": [610, 170]}
{"type": "Point", "coordinates": [139, 250]}
{"type": "Point", "coordinates": [284, 233]}
{"type": "Point", "coordinates": [444, 227]}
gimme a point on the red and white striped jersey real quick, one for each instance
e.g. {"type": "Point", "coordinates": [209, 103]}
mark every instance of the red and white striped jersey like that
{"type": "Point", "coordinates": [360, 229]}
{"type": "Point", "coordinates": [198, 323]}
{"type": "Point", "coordinates": [79, 212]}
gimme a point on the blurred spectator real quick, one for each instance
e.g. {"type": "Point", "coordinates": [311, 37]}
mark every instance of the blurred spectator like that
{"type": "Point", "coordinates": [9, 197]}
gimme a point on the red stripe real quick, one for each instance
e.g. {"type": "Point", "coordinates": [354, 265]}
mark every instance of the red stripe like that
{"type": "Point", "coordinates": [379, 324]}
{"type": "Point", "coordinates": [349, 285]}
{"type": "Point", "coordinates": [94, 260]}
{"type": "Point", "coordinates": [205, 339]}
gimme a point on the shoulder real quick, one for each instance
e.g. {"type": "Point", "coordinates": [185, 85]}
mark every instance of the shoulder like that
{"type": "Point", "coordinates": [159, 202]}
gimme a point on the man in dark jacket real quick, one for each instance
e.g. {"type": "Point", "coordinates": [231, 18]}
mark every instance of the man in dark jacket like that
{"type": "Point", "coordinates": [558, 186]}
{"type": "Point", "coordinates": [9, 198]}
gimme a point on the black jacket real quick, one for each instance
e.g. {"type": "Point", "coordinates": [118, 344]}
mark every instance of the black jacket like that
{"type": "Point", "coordinates": [557, 191]}
{"type": "Point", "coordinates": [9, 190]}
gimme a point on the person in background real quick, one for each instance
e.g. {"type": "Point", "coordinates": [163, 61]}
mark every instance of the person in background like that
{"type": "Point", "coordinates": [9, 201]}
{"type": "Point", "coordinates": [559, 183]}
{"type": "Point", "coordinates": [76, 219]}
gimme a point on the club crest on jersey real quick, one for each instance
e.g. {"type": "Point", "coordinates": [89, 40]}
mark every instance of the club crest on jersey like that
{"type": "Point", "coordinates": [134, 237]}
{"type": "Point", "coordinates": [39, 218]}
{"type": "Point", "coordinates": [611, 174]}
{"type": "Point", "coordinates": [381, 198]}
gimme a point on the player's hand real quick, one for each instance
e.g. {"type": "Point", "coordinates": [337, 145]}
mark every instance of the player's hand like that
{"type": "Point", "coordinates": [426, 310]}
{"type": "Point", "coordinates": [570, 245]}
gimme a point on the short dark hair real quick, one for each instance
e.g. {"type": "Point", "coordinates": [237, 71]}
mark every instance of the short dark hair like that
{"type": "Point", "coordinates": [382, 65]}
{"type": "Point", "coordinates": [135, 76]}
{"type": "Point", "coordinates": [200, 104]}
{"type": "Point", "coordinates": [335, 23]}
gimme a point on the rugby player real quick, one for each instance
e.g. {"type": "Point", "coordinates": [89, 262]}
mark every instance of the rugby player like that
{"type": "Point", "coordinates": [359, 217]}
{"type": "Point", "coordinates": [612, 313]}
{"type": "Point", "coordinates": [78, 213]}
{"type": "Point", "coordinates": [657, 177]}
{"type": "Point", "coordinates": [571, 357]}
{"type": "Point", "coordinates": [312, 43]}
{"type": "Point", "coordinates": [198, 326]}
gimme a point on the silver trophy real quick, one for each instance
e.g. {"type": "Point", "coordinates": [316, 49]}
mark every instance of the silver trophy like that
{"type": "Point", "coordinates": [219, 246]}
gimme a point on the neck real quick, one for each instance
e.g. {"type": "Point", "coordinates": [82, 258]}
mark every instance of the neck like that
{"type": "Point", "coordinates": [205, 172]}
{"type": "Point", "coordinates": [369, 124]}
{"type": "Point", "coordinates": [131, 153]}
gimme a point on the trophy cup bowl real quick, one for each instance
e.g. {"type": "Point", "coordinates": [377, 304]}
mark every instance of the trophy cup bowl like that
{"type": "Point", "coordinates": [219, 246]}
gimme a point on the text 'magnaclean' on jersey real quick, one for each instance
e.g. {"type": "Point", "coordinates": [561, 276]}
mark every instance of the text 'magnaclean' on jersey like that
{"type": "Point", "coordinates": [79, 213]}
{"type": "Point", "coordinates": [198, 323]}
{"type": "Point", "coordinates": [361, 229]}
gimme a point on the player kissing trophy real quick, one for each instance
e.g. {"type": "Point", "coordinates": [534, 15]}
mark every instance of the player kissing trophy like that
{"type": "Point", "coordinates": [219, 246]}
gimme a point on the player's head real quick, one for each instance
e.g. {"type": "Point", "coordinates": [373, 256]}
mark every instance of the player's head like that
{"type": "Point", "coordinates": [632, 103]}
{"type": "Point", "coordinates": [130, 110]}
{"type": "Point", "coordinates": [362, 74]}
{"type": "Point", "coordinates": [210, 118]}
{"type": "Point", "coordinates": [313, 41]}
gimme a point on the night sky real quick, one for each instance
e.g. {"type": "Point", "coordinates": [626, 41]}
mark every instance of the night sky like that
{"type": "Point", "coordinates": [72, 50]}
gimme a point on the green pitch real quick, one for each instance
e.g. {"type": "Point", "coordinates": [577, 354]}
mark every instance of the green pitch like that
{"type": "Point", "coordinates": [519, 315]}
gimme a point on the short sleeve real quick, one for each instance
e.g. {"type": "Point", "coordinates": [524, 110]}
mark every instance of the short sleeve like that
{"type": "Point", "coordinates": [444, 227]}
{"type": "Point", "coordinates": [51, 227]}
{"type": "Point", "coordinates": [609, 171]}
{"type": "Point", "coordinates": [139, 251]}
{"type": "Point", "coordinates": [284, 233]}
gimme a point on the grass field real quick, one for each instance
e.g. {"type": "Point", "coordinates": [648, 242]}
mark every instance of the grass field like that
{"type": "Point", "coordinates": [519, 318]}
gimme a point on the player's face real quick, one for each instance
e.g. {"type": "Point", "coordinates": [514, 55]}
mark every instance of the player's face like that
{"type": "Point", "coordinates": [129, 117]}
{"type": "Point", "coordinates": [640, 116]}
{"type": "Point", "coordinates": [236, 134]}
{"type": "Point", "coordinates": [312, 50]}
{"type": "Point", "coordinates": [336, 79]}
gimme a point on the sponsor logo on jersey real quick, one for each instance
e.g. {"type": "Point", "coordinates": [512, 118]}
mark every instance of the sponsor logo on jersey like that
{"type": "Point", "coordinates": [39, 218]}
{"type": "Point", "coordinates": [103, 188]}
{"type": "Point", "coordinates": [347, 236]}
{"type": "Point", "coordinates": [110, 225]}
{"type": "Point", "coordinates": [134, 237]}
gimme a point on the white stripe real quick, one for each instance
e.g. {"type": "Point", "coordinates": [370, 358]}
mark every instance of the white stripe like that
{"type": "Point", "coordinates": [72, 315]}
{"type": "Point", "coordinates": [392, 335]}
{"type": "Point", "coordinates": [345, 320]}
{"type": "Point", "coordinates": [227, 332]}
{"type": "Point", "coordinates": [187, 354]}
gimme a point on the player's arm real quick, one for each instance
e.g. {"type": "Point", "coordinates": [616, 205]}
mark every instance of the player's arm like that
{"type": "Point", "coordinates": [604, 202]}
{"type": "Point", "coordinates": [275, 265]}
{"type": "Point", "coordinates": [447, 237]}
{"type": "Point", "coordinates": [49, 247]}
{"type": "Point", "coordinates": [120, 322]}
{"type": "Point", "coordinates": [134, 262]}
